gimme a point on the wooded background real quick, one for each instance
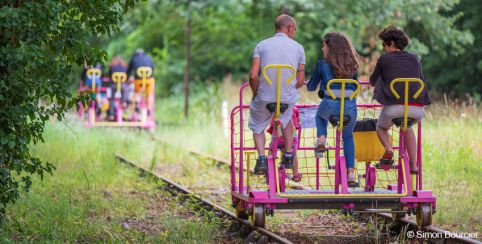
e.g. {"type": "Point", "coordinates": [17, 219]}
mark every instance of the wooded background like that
{"type": "Point", "coordinates": [222, 35]}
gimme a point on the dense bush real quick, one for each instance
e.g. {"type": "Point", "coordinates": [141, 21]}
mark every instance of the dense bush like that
{"type": "Point", "coordinates": [40, 43]}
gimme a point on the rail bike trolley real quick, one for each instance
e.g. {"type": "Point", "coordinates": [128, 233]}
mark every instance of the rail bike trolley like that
{"type": "Point", "coordinates": [134, 118]}
{"type": "Point", "coordinates": [324, 180]}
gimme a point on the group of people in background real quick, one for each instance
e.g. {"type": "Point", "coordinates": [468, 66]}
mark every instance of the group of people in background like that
{"type": "Point", "coordinates": [340, 61]}
{"type": "Point", "coordinates": [130, 89]}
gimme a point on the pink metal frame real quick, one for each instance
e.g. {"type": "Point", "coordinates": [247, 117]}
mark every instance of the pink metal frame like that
{"type": "Point", "coordinates": [247, 197]}
{"type": "Point", "coordinates": [150, 123]}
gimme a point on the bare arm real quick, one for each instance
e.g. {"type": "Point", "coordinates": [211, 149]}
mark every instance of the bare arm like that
{"type": "Point", "coordinates": [254, 76]}
{"type": "Point", "coordinates": [300, 76]}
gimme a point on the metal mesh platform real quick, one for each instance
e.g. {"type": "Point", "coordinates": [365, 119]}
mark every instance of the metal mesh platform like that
{"type": "Point", "coordinates": [317, 173]}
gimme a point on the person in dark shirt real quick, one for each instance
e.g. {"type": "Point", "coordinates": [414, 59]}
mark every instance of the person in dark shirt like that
{"type": "Point", "coordinates": [117, 65]}
{"type": "Point", "coordinates": [397, 63]}
{"type": "Point", "coordinates": [88, 80]}
{"type": "Point", "coordinates": [93, 75]}
{"type": "Point", "coordinates": [138, 60]}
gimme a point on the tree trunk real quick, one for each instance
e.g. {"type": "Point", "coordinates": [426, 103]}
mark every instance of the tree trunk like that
{"type": "Point", "coordinates": [187, 58]}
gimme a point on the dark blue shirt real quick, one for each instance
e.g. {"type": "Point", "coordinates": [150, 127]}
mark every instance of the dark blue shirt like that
{"type": "Point", "coordinates": [88, 80]}
{"type": "Point", "coordinates": [324, 73]}
{"type": "Point", "coordinates": [138, 60]}
{"type": "Point", "coordinates": [117, 68]}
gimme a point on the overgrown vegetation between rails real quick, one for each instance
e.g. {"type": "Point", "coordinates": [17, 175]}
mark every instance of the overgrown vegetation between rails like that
{"type": "Point", "coordinates": [94, 198]}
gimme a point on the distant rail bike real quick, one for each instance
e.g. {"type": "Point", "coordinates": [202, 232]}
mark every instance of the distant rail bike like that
{"type": "Point", "coordinates": [324, 182]}
{"type": "Point", "coordinates": [128, 112]}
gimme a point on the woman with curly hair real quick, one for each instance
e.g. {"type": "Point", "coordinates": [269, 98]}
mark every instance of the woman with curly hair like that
{"type": "Point", "coordinates": [340, 61]}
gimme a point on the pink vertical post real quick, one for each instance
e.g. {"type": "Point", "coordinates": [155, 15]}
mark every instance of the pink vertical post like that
{"type": "Point", "coordinates": [344, 182]}
{"type": "Point", "coordinates": [118, 113]}
{"type": "Point", "coordinates": [340, 168]}
{"type": "Point", "coordinates": [317, 173]}
{"type": "Point", "coordinates": [233, 158]}
{"type": "Point", "coordinates": [337, 164]}
{"type": "Point", "coordinates": [241, 140]}
{"type": "Point", "coordinates": [400, 168]}
{"type": "Point", "coordinates": [92, 113]}
{"type": "Point", "coordinates": [367, 175]}
{"type": "Point", "coordinates": [119, 116]}
{"type": "Point", "coordinates": [153, 115]}
{"type": "Point", "coordinates": [272, 163]}
{"type": "Point", "coordinates": [405, 162]}
{"type": "Point", "coordinates": [419, 156]}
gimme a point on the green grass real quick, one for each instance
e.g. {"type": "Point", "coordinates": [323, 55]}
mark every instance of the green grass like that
{"type": "Point", "coordinates": [91, 196]}
{"type": "Point", "coordinates": [453, 170]}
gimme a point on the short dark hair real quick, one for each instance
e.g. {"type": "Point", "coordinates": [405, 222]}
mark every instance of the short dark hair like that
{"type": "Point", "coordinates": [393, 33]}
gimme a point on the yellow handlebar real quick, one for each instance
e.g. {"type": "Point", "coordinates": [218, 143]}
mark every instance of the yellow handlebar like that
{"type": "Point", "coordinates": [407, 81]}
{"type": "Point", "coordinates": [279, 67]}
{"type": "Point", "coordinates": [144, 72]}
{"type": "Point", "coordinates": [343, 83]}
{"type": "Point", "coordinates": [118, 78]}
{"type": "Point", "coordinates": [93, 73]}
{"type": "Point", "coordinates": [342, 99]}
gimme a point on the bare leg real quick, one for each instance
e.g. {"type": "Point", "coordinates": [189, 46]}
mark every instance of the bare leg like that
{"type": "Point", "coordinates": [259, 142]}
{"type": "Point", "coordinates": [384, 138]}
{"type": "Point", "coordinates": [322, 140]}
{"type": "Point", "coordinates": [351, 175]}
{"type": "Point", "coordinates": [411, 145]}
{"type": "Point", "coordinates": [295, 167]}
{"type": "Point", "coordinates": [288, 136]}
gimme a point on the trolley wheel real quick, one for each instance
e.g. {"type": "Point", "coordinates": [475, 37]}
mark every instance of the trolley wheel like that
{"type": "Point", "coordinates": [241, 212]}
{"type": "Point", "coordinates": [259, 215]}
{"type": "Point", "coordinates": [424, 215]}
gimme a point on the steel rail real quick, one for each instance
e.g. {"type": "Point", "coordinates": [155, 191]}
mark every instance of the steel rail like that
{"type": "Point", "coordinates": [451, 235]}
{"type": "Point", "coordinates": [213, 206]}
{"type": "Point", "coordinates": [219, 161]}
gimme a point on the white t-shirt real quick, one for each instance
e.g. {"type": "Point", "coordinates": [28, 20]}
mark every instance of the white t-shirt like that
{"type": "Point", "coordinates": [279, 49]}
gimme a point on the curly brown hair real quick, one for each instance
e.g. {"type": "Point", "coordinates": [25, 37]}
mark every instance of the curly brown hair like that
{"type": "Point", "coordinates": [341, 55]}
{"type": "Point", "coordinates": [395, 35]}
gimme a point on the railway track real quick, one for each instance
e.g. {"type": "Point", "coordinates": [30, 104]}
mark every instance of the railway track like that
{"type": "Point", "coordinates": [208, 205]}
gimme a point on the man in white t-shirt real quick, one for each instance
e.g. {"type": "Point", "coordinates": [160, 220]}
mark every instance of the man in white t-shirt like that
{"type": "Point", "coordinates": [279, 49]}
